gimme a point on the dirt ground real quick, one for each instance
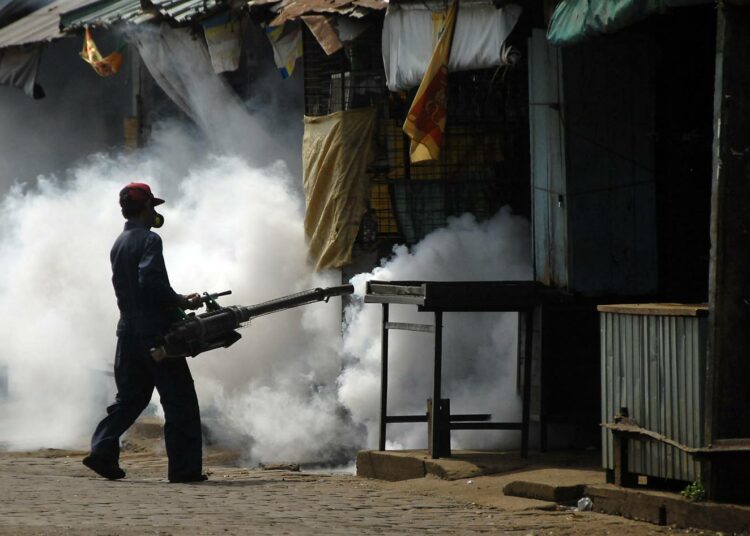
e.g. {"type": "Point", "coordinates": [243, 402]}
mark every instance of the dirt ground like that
{"type": "Point", "coordinates": [49, 493]}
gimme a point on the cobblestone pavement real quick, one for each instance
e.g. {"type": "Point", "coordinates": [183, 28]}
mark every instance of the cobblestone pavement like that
{"type": "Point", "coordinates": [51, 493]}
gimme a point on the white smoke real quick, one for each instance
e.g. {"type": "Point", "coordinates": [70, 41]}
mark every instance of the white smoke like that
{"type": "Point", "coordinates": [229, 226]}
{"type": "Point", "coordinates": [479, 349]}
{"type": "Point", "coordinates": [291, 389]}
{"type": "Point", "coordinates": [287, 390]}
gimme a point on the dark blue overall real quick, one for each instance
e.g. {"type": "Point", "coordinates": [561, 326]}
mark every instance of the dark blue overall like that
{"type": "Point", "coordinates": [146, 299]}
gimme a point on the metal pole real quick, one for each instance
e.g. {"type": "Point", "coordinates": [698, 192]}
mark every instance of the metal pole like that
{"type": "Point", "coordinates": [383, 377]}
{"type": "Point", "coordinates": [435, 414]}
{"type": "Point", "coordinates": [526, 383]}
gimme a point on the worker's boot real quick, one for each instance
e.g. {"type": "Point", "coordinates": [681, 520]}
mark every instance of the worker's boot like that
{"type": "Point", "coordinates": [103, 467]}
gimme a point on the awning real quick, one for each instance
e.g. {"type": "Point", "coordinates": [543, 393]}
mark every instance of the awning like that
{"type": "Point", "coordinates": [40, 26]}
{"type": "Point", "coordinates": [576, 20]}
{"type": "Point", "coordinates": [12, 10]}
{"type": "Point", "coordinates": [109, 12]}
{"type": "Point", "coordinates": [105, 13]}
{"type": "Point", "coordinates": [294, 9]}
{"type": "Point", "coordinates": [182, 11]}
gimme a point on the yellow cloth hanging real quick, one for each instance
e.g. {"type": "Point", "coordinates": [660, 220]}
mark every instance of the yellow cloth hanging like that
{"type": "Point", "coordinates": [425, 122]}
{"type": "Point", "coordinates": [336, 149]}
{"type": "Point", "coordinates": [91, 55]}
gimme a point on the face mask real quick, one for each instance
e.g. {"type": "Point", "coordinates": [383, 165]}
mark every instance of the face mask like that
{"type": "Point", "coordinates": [158, 220]}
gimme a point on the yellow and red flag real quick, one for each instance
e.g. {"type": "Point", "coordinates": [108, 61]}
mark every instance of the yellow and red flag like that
{"type": "Point", "coordinates": [425, 122]}
{"type": "Point", "coordinates": [91, 55]}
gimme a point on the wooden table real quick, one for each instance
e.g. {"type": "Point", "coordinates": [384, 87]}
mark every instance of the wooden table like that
{"type": "Point", "coordinates": [454, 297]}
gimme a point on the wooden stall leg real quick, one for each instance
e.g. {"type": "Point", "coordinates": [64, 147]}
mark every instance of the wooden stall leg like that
{"type": "Point", "coordinates": [435, 424]}
{"type": "Point", "coordinates": [443, 414]}
{"type": "Point", "coordinates": [383, 377]}
{"type": "Point", "coordinates": [622, 475]}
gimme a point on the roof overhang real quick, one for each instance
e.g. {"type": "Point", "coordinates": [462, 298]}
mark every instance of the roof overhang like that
{"type": "Point", "coordinates": [40, 26]}
{"type": "Point", "coordinates": [294, 9]}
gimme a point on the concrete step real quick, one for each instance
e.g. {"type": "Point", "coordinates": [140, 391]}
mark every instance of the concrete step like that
{"type": "Point", "coordinates": [544, 492]}
{"type": "Point", "coordinates": [408, 464]}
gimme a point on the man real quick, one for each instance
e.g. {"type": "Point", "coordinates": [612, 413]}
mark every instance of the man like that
{"type": "Point", "coordinates": [147, 305]}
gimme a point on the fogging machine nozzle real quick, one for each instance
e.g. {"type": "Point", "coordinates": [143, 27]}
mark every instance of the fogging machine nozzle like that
{"type": "Point", "coordinates": [216, 327]}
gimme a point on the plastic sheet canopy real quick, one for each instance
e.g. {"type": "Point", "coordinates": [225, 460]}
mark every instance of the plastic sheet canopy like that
{"type": "Point", "coordinates": [577, 20]}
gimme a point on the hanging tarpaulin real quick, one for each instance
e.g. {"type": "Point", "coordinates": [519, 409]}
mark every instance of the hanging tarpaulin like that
{"type": "Point", "coordinates": [286, 41]}
{"type": "Point", "coordinates": [223, 39]}
{"type": "Point", "coordinates": [103, 66]}
{"type": "Point", "coordinates": [410, 34]}
{"type": "Point", "coordinates": [336, 150]}
{"type": "Point", "coordinates": [574, 21]}
{"type": "Point", "coordinates": [425, 122]}
{"type": "Point", "coordinates": [181, 66]}
{"type": "Point", "coordinates": [19, 67]}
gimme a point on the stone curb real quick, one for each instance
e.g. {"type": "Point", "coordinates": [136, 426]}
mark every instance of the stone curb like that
{"type": "Point", "coordinates": [669, 509]}
{"type": "Point", "coordinates": [544, 492]}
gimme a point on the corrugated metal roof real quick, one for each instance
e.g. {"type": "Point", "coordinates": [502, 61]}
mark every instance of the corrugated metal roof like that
{"type": "Point", "coordinates": [108, 12]}
{"type": "Point", "coordinates": [185, 10]}
{"type": "Point", "coordinates": [41, 25]}
{"type": "Point", "coordinates": [105, 13]}
{"type": "Point", "coordinates": [293, 9]}
{"type": "Point", "coordinates": [12, 10]}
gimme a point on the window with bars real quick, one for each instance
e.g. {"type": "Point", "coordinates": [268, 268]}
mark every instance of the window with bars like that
{"type": "Point", "coordinates": [484, 162]}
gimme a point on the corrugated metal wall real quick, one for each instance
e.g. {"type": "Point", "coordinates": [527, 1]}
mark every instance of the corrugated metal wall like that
{"type": "Point", "coordinates": [654, 365]}
{"type": "Point", "coordinates": [547, 162]}
{"type": "Point", "coordinates": [591, 113]}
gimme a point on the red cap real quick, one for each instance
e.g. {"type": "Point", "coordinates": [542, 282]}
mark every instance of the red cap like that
{"type": "Point", "coordinates": [139, 191]}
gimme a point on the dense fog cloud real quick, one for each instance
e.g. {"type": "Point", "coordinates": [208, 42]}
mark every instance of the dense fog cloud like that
{"type": "Point", "coordinates": [293, 389]}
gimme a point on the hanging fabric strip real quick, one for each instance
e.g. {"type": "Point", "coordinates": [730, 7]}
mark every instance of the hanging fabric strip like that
{"type": "Point", "coordinates": [19, 67]}
{"type": "Point", "coordinates": [286, 41]}
{"type": "Point", "coordinates": [336, 150]}
{"type": "Point", "coordinates": [222, 35]}
{"type": "Point", "coordinates": [103, 66]}
{"type": "Point", "coordinates": [425, 122]}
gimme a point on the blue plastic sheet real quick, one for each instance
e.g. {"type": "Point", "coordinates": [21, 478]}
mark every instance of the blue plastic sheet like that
{"type": "Point", "coordinates": [577, 20]}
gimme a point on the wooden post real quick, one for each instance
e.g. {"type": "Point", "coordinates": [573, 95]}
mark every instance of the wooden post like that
{"type": "Point", "coordinates": [442, 414]}
{"type": "Point", "coordinates": [727, 397]}
{"type": "Point", "coordinates": [435, 423]}
{"type": "Point", "coordinates": [131, 129]}
{"type": "Point", "coordinates": [383, 377]}
{"type": "Point", "coordinates": [622, 475]}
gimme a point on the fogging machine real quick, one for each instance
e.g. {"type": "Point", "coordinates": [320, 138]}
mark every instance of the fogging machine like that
{"type": "Point", "coordinates": [216, 328]}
